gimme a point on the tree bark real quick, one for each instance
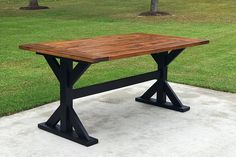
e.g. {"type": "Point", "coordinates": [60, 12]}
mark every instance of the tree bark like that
{"type": "Point", "coordinates": [154, 6]}
{"type": "Point", "coordinates": [33, 3]}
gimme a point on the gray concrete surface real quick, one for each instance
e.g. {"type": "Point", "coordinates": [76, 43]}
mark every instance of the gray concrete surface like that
{"type": "Point", "coordinates": [126, 128]}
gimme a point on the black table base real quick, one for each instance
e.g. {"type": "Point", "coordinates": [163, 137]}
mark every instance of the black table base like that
{"type": "Point", "coordinates": [161, 88]}
{"type": "Point", "coordinates": [71, 135]}
{"type": "Point", "coordinates": [70, 126]}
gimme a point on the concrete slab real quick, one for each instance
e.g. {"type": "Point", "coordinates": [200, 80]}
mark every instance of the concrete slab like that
{"type": "Point", "coordinates": [126, 128]}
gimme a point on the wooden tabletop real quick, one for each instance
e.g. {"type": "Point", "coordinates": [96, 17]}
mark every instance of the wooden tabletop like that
{"type": "Point", "coordinates": [112, 47]}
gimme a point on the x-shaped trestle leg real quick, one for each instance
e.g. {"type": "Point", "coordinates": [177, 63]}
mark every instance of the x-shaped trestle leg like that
{"type": "Point", "coordinates": [161, 86]}
{"type": "Point", "coordinates": [70, 125]}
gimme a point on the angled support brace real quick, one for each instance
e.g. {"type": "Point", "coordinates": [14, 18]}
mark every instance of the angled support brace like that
{"type": "Point", "coordinates": [55, 117]}
{"type": "Point", "coordinates": [173, 54]}
{"type": "Point", "coordinates": [78, 71]}
{"type": "Point", "coordinates": [70, 126]}
{"type": "Point", "coordinates": [161, 87]}
{"type": "Point", "coordinates": [54, 65]}
{"type": "Point", "coordinates": [150, 92]}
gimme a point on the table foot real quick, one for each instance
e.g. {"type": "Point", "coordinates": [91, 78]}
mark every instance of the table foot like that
{"type": "Point", "coordinates": [167, 105]}
{"type": "Point", "coordinates": [68, 135]}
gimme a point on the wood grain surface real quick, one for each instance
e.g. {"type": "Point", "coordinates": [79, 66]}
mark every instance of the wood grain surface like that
{"type": "Point", "coordinates": [106, 48]}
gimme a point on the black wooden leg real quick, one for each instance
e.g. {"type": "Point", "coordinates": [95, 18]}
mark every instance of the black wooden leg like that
{"type": "Point", "coordinates": [70, 125]}
{"type": "Point", "coordinates": [161, 87]}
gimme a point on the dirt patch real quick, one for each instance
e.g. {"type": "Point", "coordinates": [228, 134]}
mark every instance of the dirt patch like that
{"type": "Point", "coordinates": [158, 13]}
{"type": "Point", "coordinates": [34, 8]}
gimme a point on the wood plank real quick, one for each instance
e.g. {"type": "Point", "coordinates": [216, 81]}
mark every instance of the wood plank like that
{"type": "Point", "coordinates": [112, 47]}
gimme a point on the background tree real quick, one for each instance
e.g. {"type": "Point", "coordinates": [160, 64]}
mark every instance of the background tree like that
{"type": "Point", "coordinates": [33, 5]}
{"type": "Point", "coordinates": [154, 6]}
{"type": "Point", "coordinates": [154, 10]}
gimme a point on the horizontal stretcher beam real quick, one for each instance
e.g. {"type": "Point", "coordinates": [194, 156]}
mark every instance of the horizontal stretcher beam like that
{"type": "Point", "coordinates": [111, 85]}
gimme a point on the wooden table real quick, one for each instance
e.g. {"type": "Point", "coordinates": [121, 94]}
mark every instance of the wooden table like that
{"type": "Point", "coordinates": [163, 49]}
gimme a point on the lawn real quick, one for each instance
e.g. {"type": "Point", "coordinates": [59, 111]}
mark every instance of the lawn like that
{"type": "Point", "coordinates": [26, 80]}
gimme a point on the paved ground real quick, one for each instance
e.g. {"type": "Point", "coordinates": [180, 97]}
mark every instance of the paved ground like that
{"type": "Point", "coordinates": [126, 128]}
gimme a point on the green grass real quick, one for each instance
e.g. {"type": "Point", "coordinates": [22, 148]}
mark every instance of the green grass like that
{"type": "Point", "coordinates": [26, 80]}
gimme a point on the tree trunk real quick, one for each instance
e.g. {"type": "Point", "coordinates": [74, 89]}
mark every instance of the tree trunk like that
{"type": "Point", "coordinates": [33, 3]}
{"type": "Point", "coordinates": [154, 6]}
